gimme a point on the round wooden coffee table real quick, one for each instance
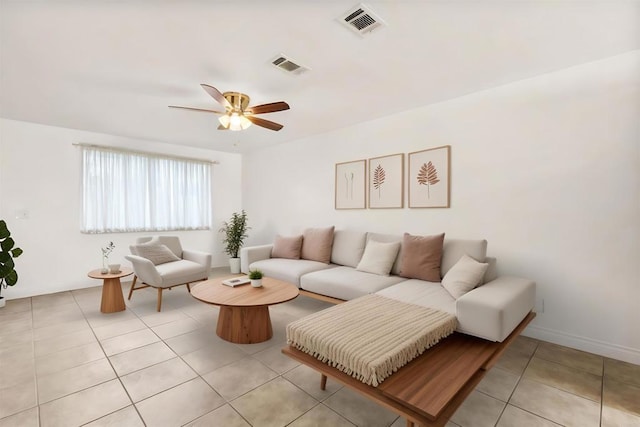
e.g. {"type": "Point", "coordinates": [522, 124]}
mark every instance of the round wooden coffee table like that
{"type": "Point", "coordinates": [244, 310]}
{"type": "Point", "coordinates": [112, 299]}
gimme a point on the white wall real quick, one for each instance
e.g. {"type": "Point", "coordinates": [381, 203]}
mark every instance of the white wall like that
{"type": "Point", "coordinates": [547, 170]}
{"type": "Point", "coordinates": [40, 172]}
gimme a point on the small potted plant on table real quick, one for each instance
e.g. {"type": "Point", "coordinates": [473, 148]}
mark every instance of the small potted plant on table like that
{"type": "Point", "coordinates": [256, 278]}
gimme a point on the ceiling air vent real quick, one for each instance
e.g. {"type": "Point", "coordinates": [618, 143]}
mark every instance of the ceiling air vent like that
{"type": "Point", "coordinates": [361, 20]}
{"type": "Point", "coordinates": [288, 65]}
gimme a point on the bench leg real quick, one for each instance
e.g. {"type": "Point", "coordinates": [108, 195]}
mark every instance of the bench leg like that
{"type": "Point", "coordinates": [323, 382]}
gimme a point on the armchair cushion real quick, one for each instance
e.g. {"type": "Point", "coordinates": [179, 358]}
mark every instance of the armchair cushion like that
{"type": "Point", "coordinates": [157, 254]}
{"type": "Point", "coordinates": [181, 271]}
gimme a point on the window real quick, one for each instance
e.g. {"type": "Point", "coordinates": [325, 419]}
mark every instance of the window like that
{"type": "Point", "coordinates": [128, 191]}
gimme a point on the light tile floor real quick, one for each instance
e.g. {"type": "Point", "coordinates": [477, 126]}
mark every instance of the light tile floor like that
{"type": "Point", "coordinates": [63, 363]}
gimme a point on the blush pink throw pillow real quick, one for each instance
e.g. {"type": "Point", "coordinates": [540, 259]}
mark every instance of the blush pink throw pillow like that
{"type": "Point", "coordinates": [287, 247]}
{"type": "Point", "coordinates": [421, 257]}
{"type": "Point", "coordinates": [317, 244]}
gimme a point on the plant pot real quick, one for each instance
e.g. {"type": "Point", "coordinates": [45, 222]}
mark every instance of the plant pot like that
{"type": "Point", "coordinates": [234, 263]}
{"type": "Point", "coordinates": [256, 283]}
{"type": "Point", "coordinates": [3, 302]}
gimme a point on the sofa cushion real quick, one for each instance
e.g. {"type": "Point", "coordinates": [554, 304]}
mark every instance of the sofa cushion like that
{"type": "Point", "coordinates": [464, 276]}
{"type": "Point", "coordinates": [287, 247]}
{"type": "Point", "coordinates": [316, 244]}
{"type": "Point", "coordinates": [157, 254]}
{"type": "Point", "coordinates": [421, 257]}
{"type": "Point", "coordinates": [288, 270]}
{"type": "Point", "coordinates": [345, 282]}
{"type": "Point", "coordinates": [419, 292]}
{"type": "Point", "coordinates": [378, 257]}
{"type": "Point", "coordinates": [453, 249]}
{"type": "Point", "coordinates": [348, 247]}
{"type": "Point", "coordinates": [388, 238]}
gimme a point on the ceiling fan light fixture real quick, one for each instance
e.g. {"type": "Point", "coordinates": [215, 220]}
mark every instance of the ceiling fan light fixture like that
{"type": "Point", "coordinates": [224, 120]}
{"type": "Point", "coordinates": [234, 121]}
{"type": "Point", "coordinates": [236, 105]}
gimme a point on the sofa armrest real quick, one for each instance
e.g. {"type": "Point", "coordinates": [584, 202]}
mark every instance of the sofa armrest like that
{"type": "Point", "coordinates": [145, 270]}
{"type": "Point", "coordinates": [493, 310]}
{"type": "Point", "coordinates": [198, 257]}
{"type": "Point", "coordinates": [252, 254]}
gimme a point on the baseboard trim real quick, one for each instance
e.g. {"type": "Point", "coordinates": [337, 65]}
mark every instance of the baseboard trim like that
{"type": "Point", "coordinates": [614, 351]}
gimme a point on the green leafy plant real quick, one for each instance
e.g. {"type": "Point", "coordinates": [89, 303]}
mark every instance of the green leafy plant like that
{"type": "Point", "coordinates": [8, 251]}
{"type": "Point", "coordinates": [235, 233]}
{"type": "Point", "coordinates": [255, 274]}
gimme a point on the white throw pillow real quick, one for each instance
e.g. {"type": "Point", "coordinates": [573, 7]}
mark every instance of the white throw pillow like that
{"type": "Point", "coordinates": [465, 275]}
{"type": "Point", "coordinates": [157, 254]}
{"type": "Point", "coordinates": [378, 257]}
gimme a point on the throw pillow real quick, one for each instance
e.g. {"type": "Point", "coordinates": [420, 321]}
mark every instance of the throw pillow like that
{"type": "Point", "coordinates": [157, 254]}
{"type": "Point", "coordinates": [317, 243]}
{"type": "Point", "coordinates": [465, 275]}
{"type": "Point", "coordinates": [378, 257]}
{"type": "Point", "coordinates": [421, 257]}
{"type": "Point", "coordinates": [287, 247]}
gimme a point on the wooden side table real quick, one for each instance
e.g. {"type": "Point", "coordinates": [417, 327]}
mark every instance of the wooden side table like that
{"type": "Point", "coordinates": [112, 299]}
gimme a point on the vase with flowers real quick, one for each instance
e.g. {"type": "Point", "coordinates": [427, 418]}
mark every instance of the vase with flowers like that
{"type": "Point", "coordinates": [106, 251]}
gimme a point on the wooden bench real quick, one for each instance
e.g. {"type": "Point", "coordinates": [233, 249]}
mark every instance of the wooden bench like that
{"type": "Point", "coordinates": [429, 389]}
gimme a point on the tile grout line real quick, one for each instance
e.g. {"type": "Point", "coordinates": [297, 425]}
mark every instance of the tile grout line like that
{"type": "Point", "coordinates": [112, 367]}
{"type": "Point", "coordinates": [520, 378]}
{"type": "Point", "coordinates": [602, 391]}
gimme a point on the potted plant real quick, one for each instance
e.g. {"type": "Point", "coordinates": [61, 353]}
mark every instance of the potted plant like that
{"type": "Point", "coordinates": [256, 278]}
{"type": "Point", "coordinates": [235, 232]}
{"type": "Point", "coordinates": [8, 251]}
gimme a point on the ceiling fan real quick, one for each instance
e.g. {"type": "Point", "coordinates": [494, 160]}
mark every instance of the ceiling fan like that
{"type": "Point", "coordinates": [237, 114]}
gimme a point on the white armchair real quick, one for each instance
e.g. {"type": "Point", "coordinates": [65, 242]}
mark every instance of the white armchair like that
{"type": "Point", "coordinates": [161, 263]}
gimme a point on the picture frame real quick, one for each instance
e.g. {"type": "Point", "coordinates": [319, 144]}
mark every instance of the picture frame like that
{"type": "Point", "coordinates": [350, 185]}
{"type": "Point", "coordinates": [429, 178]}
{"type": "Point", "coordinates": [386, 182]}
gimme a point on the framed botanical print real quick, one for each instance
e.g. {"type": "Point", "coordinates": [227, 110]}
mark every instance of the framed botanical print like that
{"type": "Point", "coordinates": [429, 178]}
{"type": "Point", "coordinates": [386, 182]}
{"type": "Point", "coordinates": [350, 182]}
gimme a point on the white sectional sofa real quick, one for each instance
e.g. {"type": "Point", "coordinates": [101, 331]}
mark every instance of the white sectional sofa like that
{"type": "Point", "coordinates": [490, 311]}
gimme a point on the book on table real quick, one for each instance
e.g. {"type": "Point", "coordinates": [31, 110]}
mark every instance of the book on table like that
{"type": "Point", "coordinates": [236, 281]}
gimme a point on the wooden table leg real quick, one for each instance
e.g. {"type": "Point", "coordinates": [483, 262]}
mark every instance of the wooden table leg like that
{"type": "Point", "coordinates": [112, 299]}
{"type": "Point", "coordinates": [323, 382]}
{"type": "Point", "coordinates": [244, 325]}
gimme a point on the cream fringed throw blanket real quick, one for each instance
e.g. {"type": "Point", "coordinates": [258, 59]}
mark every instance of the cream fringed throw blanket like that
{"type": "Point", "coordinates": [370, 337]}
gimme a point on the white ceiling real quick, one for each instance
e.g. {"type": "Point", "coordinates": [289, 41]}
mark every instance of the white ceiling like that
{"type": "Point", "coordinates": [114, 66]}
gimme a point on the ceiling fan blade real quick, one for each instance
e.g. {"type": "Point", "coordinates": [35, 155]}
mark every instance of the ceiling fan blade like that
{"type": "Point", "coordinates": [264, 123]}
{"type": "Point", "coordinates": [197, 109]}
{"type": "Point", "coordinates": [221, 127]}
{"type": "Point", "coordinates": [217, 95]}
{"type": "Point", "coordinates": [268, 108]}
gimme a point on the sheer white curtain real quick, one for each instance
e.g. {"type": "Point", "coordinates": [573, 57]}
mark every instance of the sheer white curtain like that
{"type": "Point", "coordinates": [125, 191]}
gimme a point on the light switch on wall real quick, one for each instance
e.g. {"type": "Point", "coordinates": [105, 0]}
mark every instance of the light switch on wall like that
{"type": "Point", "coordinates": [22, 214]}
